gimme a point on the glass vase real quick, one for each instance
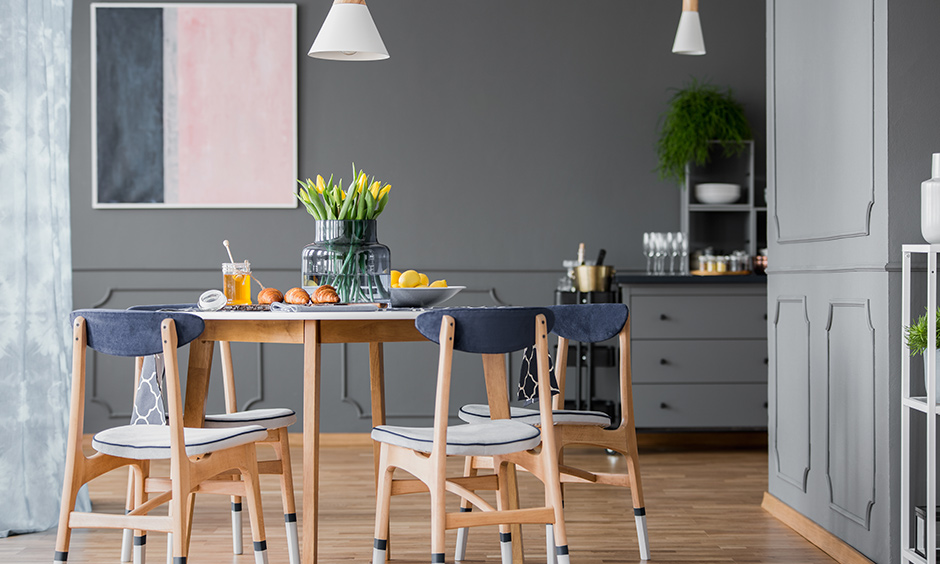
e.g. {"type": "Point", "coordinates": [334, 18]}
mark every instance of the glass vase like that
{"type": "Point", "coordinates": [347, 255]}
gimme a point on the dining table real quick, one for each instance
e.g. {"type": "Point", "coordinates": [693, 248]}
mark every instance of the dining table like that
{"type": "Point", "coordinates": [312, 328]}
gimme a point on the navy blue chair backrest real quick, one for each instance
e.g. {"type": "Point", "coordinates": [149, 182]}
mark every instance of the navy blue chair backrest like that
{"type": "Point", "coordinates": [486, 330]}
{"type": "Point", "coordinates": [589, 323]}
{"type": "Point", "coordinates": [120, 332]}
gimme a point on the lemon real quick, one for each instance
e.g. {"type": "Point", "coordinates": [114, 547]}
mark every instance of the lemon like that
{"type": "Point", "coordinates": [395, 277]}
{"type": "Point", "coordinates": [424, 279]}
{"type": "Point", "coordinates": [421, 286]}
{"type": "Point", "coordinates": [409, 279]}
{"type": "Point", "coordinates": [396, 285]}
{"type": "Point", "coordinates": [439, 284]}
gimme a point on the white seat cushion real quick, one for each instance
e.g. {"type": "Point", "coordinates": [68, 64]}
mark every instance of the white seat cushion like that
{"type": "Point", "coordinates": [480, 413]}
{"type": "Point", "coordinates": [272, 418]}
{"type": "Point", "coordinates": [485, 439]}
{"type": "Point", "coordinates": [143, 442]}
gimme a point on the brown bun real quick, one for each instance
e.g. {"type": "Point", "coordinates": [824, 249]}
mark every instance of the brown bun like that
{"type": "Point", "coordinates": [270, 295]}
{"type": "Point", "coordinates": [325, 294]}
{"type": "Point", "coordinates": [297, 296]}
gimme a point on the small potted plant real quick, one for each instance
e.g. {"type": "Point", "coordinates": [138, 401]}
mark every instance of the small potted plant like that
{"type": "Point", "coordinates": [698, 114]}
{"type": "Point", "coordinates": [916, 337]}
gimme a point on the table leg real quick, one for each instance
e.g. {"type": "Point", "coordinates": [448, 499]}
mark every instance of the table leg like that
{"type": "Point", "coordinates": [311, 468]}
{"type": "Point", "coordinates": [197, 382]}
{"type": "Point", "coordinates": [377, 386]}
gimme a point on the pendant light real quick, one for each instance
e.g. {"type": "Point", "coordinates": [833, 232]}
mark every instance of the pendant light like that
{"type": "Point", "coordinates": [689, 40]}
{"type": "Point", "coordinates": [349, 34]}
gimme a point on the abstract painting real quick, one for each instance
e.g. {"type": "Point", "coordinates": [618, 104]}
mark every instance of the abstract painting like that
{"type": "Point", "coordinates": [194, 105]}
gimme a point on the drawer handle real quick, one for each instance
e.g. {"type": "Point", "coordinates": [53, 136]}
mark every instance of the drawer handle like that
{"type": "Point", "coordinates": [765, 405]}
{"type": "Point", "coordinates": [663, 361]}
{"type": "Point", "coordinates": [765, 317]}
{"type": "Point", "coordinates": [663, 406]}
{"type": "Point", "coordinates": [766, 361]}
{"type": "Point", "coordinates": [663, 317]}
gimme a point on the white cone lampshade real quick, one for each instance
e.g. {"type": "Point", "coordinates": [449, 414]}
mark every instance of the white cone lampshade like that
{"type": "Point", "coordinates": [689, 39]}
{"type": "Point", "coordinates": [349, 34]}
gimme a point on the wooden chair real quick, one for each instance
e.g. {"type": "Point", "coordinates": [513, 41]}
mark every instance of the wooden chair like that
{"type": "Point", "coordinates": [137, 334]}
{"type": "Point", "coordinates": [588, 323]}
{"type": "Point", "coordinates": [422, 451]}
{"type": "Point", "coordinates": [274, 420]}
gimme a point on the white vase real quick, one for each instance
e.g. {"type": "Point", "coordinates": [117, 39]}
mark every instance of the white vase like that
{"type": "Point", "coordinates": [937, 392]}
{"type": "Point", "coordinates": [930, 203]}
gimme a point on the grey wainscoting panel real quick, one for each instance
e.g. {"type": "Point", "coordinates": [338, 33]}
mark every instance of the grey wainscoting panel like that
{"type": "Point", "coordinates": [827, 94]}
{"type": "Point", "coordinates": [791, 381]}
{"type": "Point", "coordinates": [850, 468]}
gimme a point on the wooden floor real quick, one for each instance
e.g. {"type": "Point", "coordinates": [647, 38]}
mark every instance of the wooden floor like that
{"type": "Point", "coordinates": [702, 507]}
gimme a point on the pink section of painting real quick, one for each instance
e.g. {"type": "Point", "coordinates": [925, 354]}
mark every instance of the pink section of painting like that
{"type": "Point", "coordinates": [236, 106]}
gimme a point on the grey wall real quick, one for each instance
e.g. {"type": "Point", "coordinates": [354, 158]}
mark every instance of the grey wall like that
{"type": "Point", "coordinates": [510, 131]}
{"type": "Point", "coordinates": [851, 125]}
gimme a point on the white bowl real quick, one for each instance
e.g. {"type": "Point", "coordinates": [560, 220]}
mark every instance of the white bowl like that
{"type": "Point", "coordinates": [717, 193]}
{"type": "Point", "coordinates": [423, 297]}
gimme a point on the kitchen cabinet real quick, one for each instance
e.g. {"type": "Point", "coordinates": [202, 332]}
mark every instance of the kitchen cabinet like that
{"type": "Point", "coordinates": [699, 349]}
{"type": "Point", "coordinates": [740, 225]}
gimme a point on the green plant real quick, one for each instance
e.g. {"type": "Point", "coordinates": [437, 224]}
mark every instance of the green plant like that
{"type": "Point", "coordinates": [325, 200]}
{"type": "Point", "coordinates": [698, 114]}
{"type": "Point", "coordinates": [916, 335]}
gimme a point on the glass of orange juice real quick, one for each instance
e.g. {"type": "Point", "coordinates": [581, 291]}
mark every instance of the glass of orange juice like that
{"type": "Point", "coordinates": [236, 283]}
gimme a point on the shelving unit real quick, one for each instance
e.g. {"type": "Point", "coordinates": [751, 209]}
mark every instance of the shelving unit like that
{"type": "Point", "coordinates": [920, 405]}
{"type": "Point", "coordinates": [738, 226]}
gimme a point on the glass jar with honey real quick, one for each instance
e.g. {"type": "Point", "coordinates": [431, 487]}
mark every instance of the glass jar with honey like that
{"type": "Point", "coordinates": [236, 283]}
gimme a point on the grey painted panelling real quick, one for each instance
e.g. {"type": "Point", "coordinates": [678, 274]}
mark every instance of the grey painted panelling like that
{"type": "Point", "coordinates": [827, 93]}
{"type": "Point", "coordinates": [791, 384]}
{"type": "Point", "coordinates": [851, 461]}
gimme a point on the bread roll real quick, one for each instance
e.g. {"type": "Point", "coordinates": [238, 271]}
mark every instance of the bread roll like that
{"type": "Point", "coordinates": [325, 294]}
{"type": "Point", "coordinates": [270, 295]}
{"type": "Point", "coordinates": [297, 296]}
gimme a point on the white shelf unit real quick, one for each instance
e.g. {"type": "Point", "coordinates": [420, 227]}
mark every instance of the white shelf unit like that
{"type": "Point", "coordinates": [920, 405]}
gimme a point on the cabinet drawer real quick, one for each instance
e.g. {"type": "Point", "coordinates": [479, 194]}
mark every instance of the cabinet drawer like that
{"type": "Point", "coordinates": [700, 406]}
{"type": "Point", "coordinates": [709, 317]}
{"type": "Point", "coordinates": [677, 361]}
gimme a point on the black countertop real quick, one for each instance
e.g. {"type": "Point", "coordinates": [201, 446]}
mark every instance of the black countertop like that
{"type": "Point", "coordinates": [643, 278]}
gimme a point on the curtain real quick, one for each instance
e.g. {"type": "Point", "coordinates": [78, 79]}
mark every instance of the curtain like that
{"type": "Point", "coordinates": [35, 261]}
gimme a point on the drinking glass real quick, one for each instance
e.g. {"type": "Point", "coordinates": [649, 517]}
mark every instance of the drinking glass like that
{"type": "Point", "coordinates": [648, 251]}
{"type": "Point", "coordinates": [683, 243]}
{"type": "Point", "coordinates": [672, 250]}
{"type": "Point", "coordinates": [660, 243]}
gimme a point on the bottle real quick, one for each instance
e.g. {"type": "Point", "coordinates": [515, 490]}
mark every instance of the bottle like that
{"type": "Point", "coordinates": [581, 254]}
{"type": "Point", "coordinates": [930, 203]}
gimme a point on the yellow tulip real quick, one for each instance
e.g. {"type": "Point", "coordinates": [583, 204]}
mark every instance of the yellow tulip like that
{"type": "Point", "coordinates": [384, 191]}
{"type": "Point", "coordinates": [321, 184]}
{"type": "Point", "coordinates": [375, 189]}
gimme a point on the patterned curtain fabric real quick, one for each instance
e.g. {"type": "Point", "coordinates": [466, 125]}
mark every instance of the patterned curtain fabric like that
{"type": "Point", "coordinates": [35, 254]}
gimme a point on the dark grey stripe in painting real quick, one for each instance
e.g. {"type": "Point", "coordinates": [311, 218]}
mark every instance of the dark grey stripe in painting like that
{"type": "Point", "coordinates": [129, 104]}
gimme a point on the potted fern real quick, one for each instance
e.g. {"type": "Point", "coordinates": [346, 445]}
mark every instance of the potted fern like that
{"type": "Point", "coordinates": [699, 114]}
{"type": "Point", "coordinates": [916, 337]}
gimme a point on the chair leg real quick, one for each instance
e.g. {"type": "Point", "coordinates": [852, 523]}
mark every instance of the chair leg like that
{"type": "Point", "coordinates": [460, 552]}
{"type": "Point", "coordinates": [550, 544]}
{"type": "Point", "coordinates": [639, 508]}
{"type": "Point", "coordinates": [553, 492]}
{"type": "Point", "coordinates": [177, 539]}
{"type": "Point", "coordinates": [64, 534]}
{"type": "Point", "coordinates": [236, 525]}
{"type": "Point", "coordinates": [438, 517]}
{"type": "Point", "coordinates": [502, 504]}
{"type": "Point", "coordinates": [253, 497]}
{"type": "Point", "coordinates": [136, 479]}
{"type": "Point", "coordinates": [282, 450]}
{"type": "Point", "coordinates": [383, 499]}
{"type": "Point", "coordinates": [127, 540]}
